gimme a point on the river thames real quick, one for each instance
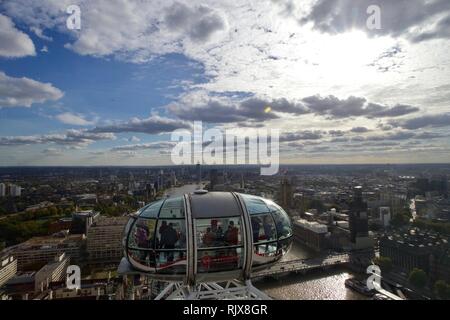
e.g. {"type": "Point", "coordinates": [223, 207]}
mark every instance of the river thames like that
{"type": "Point", "coordinates": [319, 285]}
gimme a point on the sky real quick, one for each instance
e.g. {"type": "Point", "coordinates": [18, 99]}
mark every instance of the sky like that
{"type": "Point", "coordinates": [112, 92]}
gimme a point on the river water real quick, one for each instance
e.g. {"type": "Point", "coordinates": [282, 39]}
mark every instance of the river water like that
{"type": "Point", "coordinates": [319, 285]}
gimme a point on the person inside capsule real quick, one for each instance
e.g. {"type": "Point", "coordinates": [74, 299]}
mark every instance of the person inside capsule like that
{"type": "Point", "coordinates": [156, 237]}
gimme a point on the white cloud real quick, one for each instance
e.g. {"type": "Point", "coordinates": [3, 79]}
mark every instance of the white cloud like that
{"type": "Point", "coordinates": [73, 119]}
{"type": "Point", "coordinates": [13, 42]}
{"type": "Point", "coordinates": [251, 49]}
{"type": "Point", "coordinates": [23, 92]}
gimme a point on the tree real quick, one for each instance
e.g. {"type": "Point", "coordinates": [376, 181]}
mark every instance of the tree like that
{"type": "Point", "coordinates": [399, 220]}
{"type": "Point", "coordinates": [442, 289]}
{"type": "Point", "coordinates": [418, 278]}
{"type": "Point", "coordinates": [385, 263]}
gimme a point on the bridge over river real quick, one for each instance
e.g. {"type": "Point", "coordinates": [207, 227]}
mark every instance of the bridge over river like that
{"type": "Point", "coordinates": [303, 265]}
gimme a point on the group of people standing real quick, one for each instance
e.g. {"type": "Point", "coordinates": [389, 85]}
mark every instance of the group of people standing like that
{"type": "Point", "coordinates": [216, 237]}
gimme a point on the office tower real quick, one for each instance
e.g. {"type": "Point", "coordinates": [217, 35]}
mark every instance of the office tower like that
{"type": "Point", "coordinates": [2, 190]}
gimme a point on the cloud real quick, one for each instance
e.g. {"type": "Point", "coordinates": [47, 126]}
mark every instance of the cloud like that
{"type": "Point", "coordinates": [359, 129]}
{"type": "Point", "coordinates": [151, 125]}
{"type": "Point", "coordinates": [213, 110]}
{"type": "Point", "coordinates": [73, 119]}
{"type": "Point", "coordinates": [40, 34]}
{"type": "Point", "coordinates": [52, 152]}
{"type": "Point", "coordinates": [161, 145]}
{"type": "Point", "coordinates": [73, 138]}
{"type": "Point", "coordinates": [13, 42]}
{"type": "Point", "coordinates": [336, 108]}
{"type": "Point", "coordinates": [301, 135]}
{"type": "Point", "coordinates": [199, 23]}
{"type": "Point", "coordinates": [407, 18]}
{"type": "Point", "coordinates": [134, 139]}
{"type": "Point", "coordinates": [23, 92]}
{"type": "Point", "coordinates": [147, 28]}
{"type": "Point", "coordinates": [426, 121]}
{"type": "Point", "coordinates": [396, 111]}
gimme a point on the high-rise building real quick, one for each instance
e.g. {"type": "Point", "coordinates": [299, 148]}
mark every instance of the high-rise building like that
{"type": "Point", "coordinates": [2, 190]}
{"type": "Point", "coordinates": [358, 219]}
{"type": "Point", "coordinates": [104, 241]}
{"type": "Point", "coordinates": [286, 195]}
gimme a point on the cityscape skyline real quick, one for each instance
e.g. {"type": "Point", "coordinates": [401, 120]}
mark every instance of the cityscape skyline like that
{"type": "Point", "coordinates": [112, 93]}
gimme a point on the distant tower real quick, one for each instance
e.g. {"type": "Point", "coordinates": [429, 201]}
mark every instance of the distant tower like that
{"type": "Point", "coordinates": [358, 220]}
{"type": "Point", "coordinates": [242, 181]}
{"type": "Point", "coordinates": [286, 193]}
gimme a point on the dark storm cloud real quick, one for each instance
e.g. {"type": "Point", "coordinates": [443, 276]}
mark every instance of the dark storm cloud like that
{"type": "Point", "coordinates": [199, 23]}
{"type": "Point", "coordinates": [428, 121]}
{"type": "Point", "coordinates": [397, 17]}
{"type": "Point", "coordinates": [152, 125]}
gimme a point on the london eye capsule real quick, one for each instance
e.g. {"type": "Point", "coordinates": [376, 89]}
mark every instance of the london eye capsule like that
{"type": "Point", "coordinates": [207, 236]}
